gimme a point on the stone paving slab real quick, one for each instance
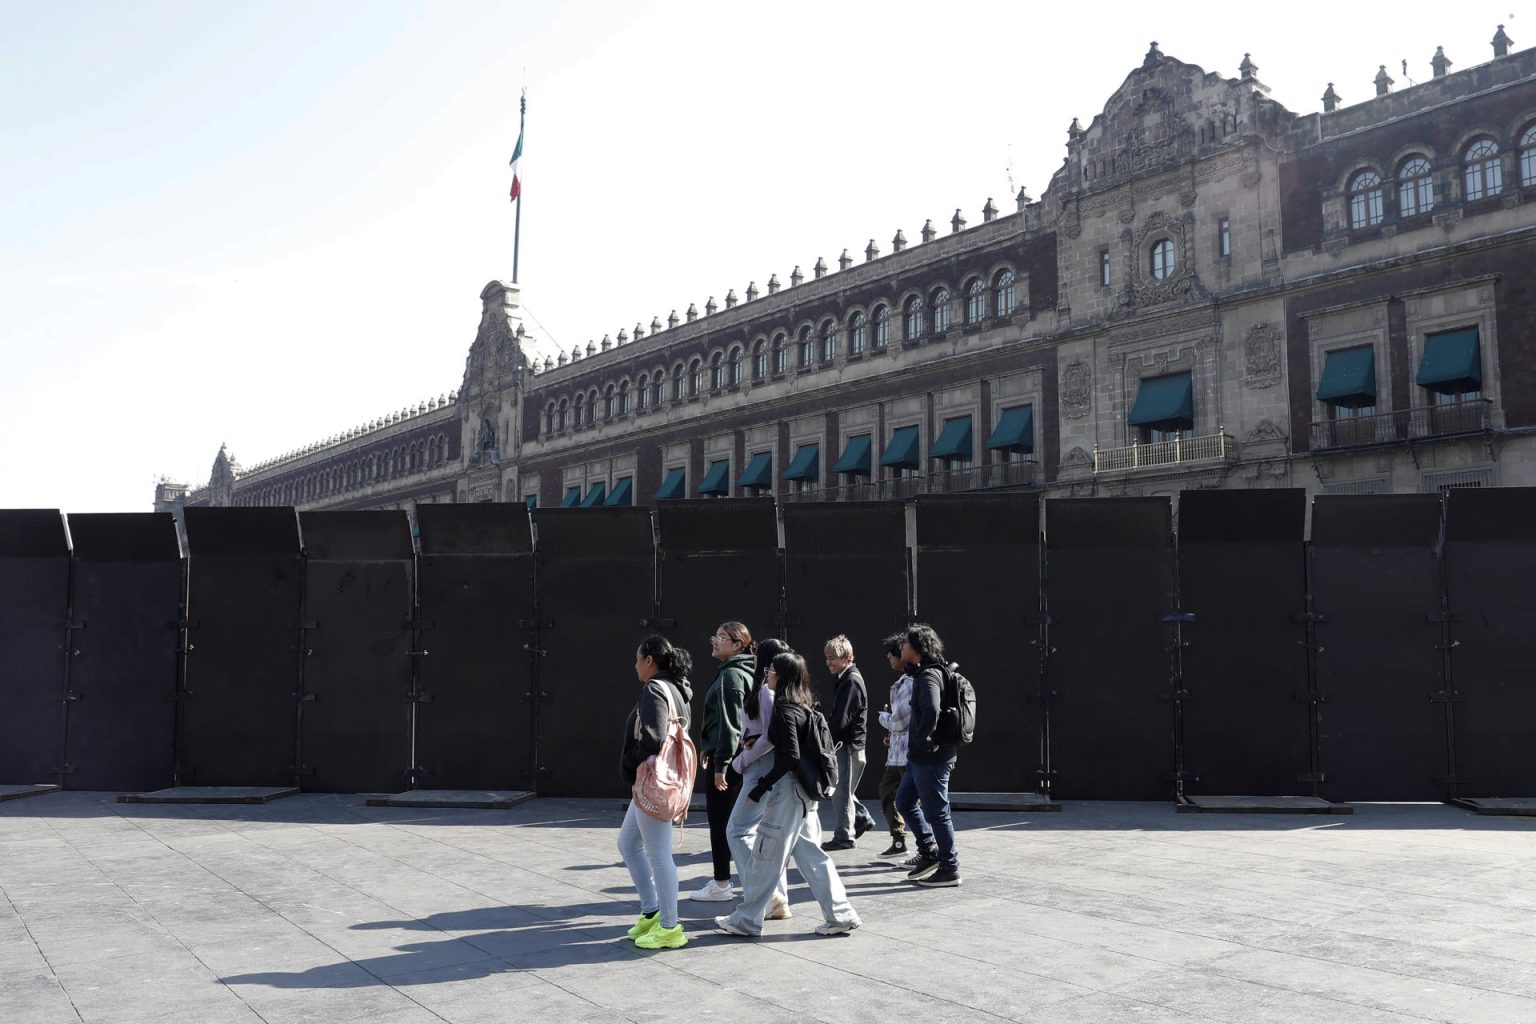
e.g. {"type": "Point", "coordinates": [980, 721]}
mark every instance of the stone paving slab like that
{"type": "Point", "coordinates": [319, 908]}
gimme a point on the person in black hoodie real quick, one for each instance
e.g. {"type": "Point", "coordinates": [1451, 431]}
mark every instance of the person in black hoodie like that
{"type": "Point", "coordinates": [644, 842]}
{"type": "Point", "coordinates": [923, 798]}
{"type": "Point", "coordinates": [848, 725]}
{"type": "Point", "coordinates": [731, 645]}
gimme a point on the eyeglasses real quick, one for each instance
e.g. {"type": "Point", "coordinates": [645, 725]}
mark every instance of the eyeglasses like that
{"type": "Point", "coordinates": [723, 638]}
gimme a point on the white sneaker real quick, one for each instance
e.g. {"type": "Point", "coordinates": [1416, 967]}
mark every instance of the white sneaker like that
{"type": "Point", "coordinates": [713, 892]}
{"type": "Point", "coordinates": [838, 927]}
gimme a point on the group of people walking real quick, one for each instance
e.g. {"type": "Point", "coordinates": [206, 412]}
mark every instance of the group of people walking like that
{"type": "Point", "coordinates": [757, 721]}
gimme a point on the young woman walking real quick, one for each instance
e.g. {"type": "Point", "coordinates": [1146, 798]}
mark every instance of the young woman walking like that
{"type": "Point", "coordinates": [644, 842]}
{"type": "Point", "coordinates": [730, 645]}
{"type": "Point", "coordinates": [790, 826]}
{"type": "Point", "coordinates": [752, 764]}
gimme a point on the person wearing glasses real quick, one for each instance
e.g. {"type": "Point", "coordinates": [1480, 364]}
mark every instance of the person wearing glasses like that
{"type": "Point", "coordinates": [730, 645]}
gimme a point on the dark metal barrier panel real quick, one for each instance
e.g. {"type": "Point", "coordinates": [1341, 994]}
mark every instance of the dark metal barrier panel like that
{"type": "Point", "coordinates": [355, 732]}
{"type": "Point", "coordinates": [1376, 585]}
{"type": "Point", "coordinates": [474, 725]}
{"type": "Point", "coordinates": [1490, 562]}
{"type": "Point", "coordinates": [127, 600]}
{"type": "Point", "coordinates": [1109, 581]}
{"type": "Point", "coordinates": [846, 571]}
{"type": "Point", "coordinates": [719, 561]}
{"type": "Point", "coordinates": [978, 584]}
{"type": "Point", "coordinates": [34, 608]}
{"type": "Point", "coordinates": [239, 718]}
{"type": "Point", "coordinates": [597, 592]}
{"type": "Point", "coordinates": [1242, 573]}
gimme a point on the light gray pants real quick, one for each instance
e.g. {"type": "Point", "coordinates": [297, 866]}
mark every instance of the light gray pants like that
{"type": "Point", "coordinates": [850, 769]}
{"type": "Point", "coordinates": [741, 828]}
{"type": "Point", "coordinates": [646, 846]}
{"type": "Point", "coordinates": [790, 828]}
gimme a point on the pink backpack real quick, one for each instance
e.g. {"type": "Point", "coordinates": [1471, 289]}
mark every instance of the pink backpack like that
{"type": "Point", "coordinates": [664, 782]}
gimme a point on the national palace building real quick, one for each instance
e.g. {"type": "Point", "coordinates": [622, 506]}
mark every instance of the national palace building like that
{"type": "Point", "coordinates": [1213, 292]}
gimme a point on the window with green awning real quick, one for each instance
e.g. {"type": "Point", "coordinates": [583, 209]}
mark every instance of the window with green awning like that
{"type": "Point", "coordinates": [806, 465]}
{"type": "Point", "coordinates": [595, 496]}
{"type": "Point", "coordinates": [622, 495]}
{"type": "Point", "coordinates": [759, 472]}
{"type": "Point", "coordinates": [902, 452]}
{"type": "Point", "coordinates": [855, 457]}
{"type": "Point", "coordinates": [674, 486]}
{"type": "Point", "coordinates": [954, 440]}
{"type": "Point", "coordinates": [718, 479]}
{"type": "Point", "coordinates": [1349, 378]}
{"type": "Point", "coordinates": [1015, 430]}
{"type": "Point", "coordinates": [1164, 403]}
{"type": "Point", "coordinates": [1452, 363]}
{"type": "Point", "coordinates": [572, 497]}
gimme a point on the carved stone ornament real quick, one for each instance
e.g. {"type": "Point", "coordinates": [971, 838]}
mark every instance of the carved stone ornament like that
{"type": "Point", "coordinates": [1261, 356]}
{"type": "Point", "coordinates": [485, 492]}
{"type": "Point", "coordinates": [1250, 179]}
{"type": "Point", "coordinates": [1147, 290]}
{"type": "Point", "coordinates": [1267, 430]}
{"type": "Point", "coordinates": [1076, 390]}
{"type": "Point", "coordinates": [1077, 457]}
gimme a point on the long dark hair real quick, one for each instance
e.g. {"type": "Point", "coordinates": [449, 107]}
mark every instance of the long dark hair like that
{"type": "Point", "coordinates": [794, 680]}
{"type": "Point", "coordinates": [672, 662]}
{"type": "Point", "coordinates": [926, 643]}
{"type": "Point", "coordinates": [767, 650]}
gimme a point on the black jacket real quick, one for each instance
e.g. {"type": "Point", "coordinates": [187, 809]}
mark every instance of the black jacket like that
{"type": "Point", "coordinates": [646, 726]}
{"type": "Point", "coordinates": [850, 709]}
{"type": "Point", "coordinates": [927, 699]}
{"type": "Point", "coordinates": [785, 730]}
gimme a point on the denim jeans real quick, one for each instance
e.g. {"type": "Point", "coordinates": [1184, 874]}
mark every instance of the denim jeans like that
{"type": "Point", "coordinates": [741, 829]}
{"type": "Point", "coordinates": [923, 800]}
{"type": "Point", "coordinates": [790, 828]}
{"type": "Point", "coordinates": [646, 846]}
{"type": "Point", "coordinates": [850, 768]}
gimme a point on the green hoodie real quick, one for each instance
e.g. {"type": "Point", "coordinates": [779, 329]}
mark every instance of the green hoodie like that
{"type": "Point", "coordinates": [721, 733]}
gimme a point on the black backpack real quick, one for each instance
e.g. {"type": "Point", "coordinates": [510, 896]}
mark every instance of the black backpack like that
{"type": "Point", "coordinates": [957, 709]}
{"type": "Point", "coordinates": [817, 770]}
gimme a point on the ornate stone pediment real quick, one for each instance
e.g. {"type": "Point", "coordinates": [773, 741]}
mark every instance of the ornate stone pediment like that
{"type": "Point", "coordinates": [1076, 390]}
{"type": "Point", "coordinates": [1146, 290]}
{"type": "Point", "coordinates": [1262, 358]}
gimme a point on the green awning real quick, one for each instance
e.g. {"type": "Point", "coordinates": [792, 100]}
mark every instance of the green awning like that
{"type": "Point", "coordinates": [595, 496]}
{"type": "Point", "coordinates": [1349, 378]}
{"type": "Point", "coordinates": [623, 493]}
{"type": "Point", "coordinates": [759, 472]}
{"type": "Point", "coordinates": [718, 479]}
{"type": "Point", "coordinates": [901, 453]}
{"type": "Point", "coordinates": [855, 457]}
{"type": "Point", "coordinates": [1451, 363]}
{"type": "Point", "coordinates": [572, 497]}
{"type": "Point", "coordinates": [1165, 403]}
{"type": "Point", "coordinates": [674, 486]}
{"type": "Point", "coordinates": [1015, 430]}
{"type": "Point", "coordinates": [806, 465]}
{"type": "Point", "coordinates": [532, 501]}
{"type": "Point", "coordinates": [954, 440]}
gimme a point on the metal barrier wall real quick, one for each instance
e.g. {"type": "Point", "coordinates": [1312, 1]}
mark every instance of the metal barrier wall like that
{"type": "Point", "coordinates": [126, 593]}
{"type": "Point", "coordinates": [34, 611]}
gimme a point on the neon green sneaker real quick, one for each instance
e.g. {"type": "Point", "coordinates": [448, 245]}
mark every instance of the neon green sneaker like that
{"type": "Point", "coordinates": [644, 924]}
{"type": "Point", "coordinates": [663, 938]}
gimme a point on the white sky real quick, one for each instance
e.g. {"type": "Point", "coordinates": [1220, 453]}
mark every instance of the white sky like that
{"type": "Point", "coordinates": [262, 224]}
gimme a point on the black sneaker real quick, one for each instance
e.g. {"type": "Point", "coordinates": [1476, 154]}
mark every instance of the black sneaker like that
{"type": "Point", "coordinates": [860, 827]}
{"type": "Point", "coordinates": [923, 865]}
{"type": "Point", "coordinates": [944, 878]}
{"type": "Point", "coordinates": [837, 844]}
{"type": "Point", "coordinates": [898, 848]}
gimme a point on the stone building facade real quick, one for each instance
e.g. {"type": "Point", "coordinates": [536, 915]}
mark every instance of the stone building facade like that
{"type": "Point", "coordinates": [1212, 291]}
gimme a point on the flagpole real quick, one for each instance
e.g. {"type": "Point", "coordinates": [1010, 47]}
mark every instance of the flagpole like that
{"type": "Point", "coordinates": [517, 230]}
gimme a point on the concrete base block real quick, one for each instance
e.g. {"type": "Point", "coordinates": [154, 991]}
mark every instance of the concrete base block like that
{"type": "Point", "coordinates": [210, 795]}
{"type": "Point", "coordinates": [482, 799]}
{"type": "Point", "coordinates": [19, 792]}
{"type": "Point", "coordinates": [1524, 806]}
{"type": "Point", "coordinates": [1002, 802]}
{"type": "Point", "coordinates": [1261, 805]}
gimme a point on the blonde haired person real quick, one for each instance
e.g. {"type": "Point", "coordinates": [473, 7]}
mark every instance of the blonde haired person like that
{"type": "Point", "coordinates": [848, 722]}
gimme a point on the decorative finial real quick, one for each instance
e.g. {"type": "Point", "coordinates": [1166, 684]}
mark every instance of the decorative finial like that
{"type": "Point", "coordinates": [711, 306]}
{"type": "Point", "coordinates": [639, 331]}
{"type": "Point", "coordinates": [1153, 55]}
{"type": "Point", "coordinates": [1330, 100]}
{"type": "Point", "coordinates": [988, 212]}
{"type": "Point", "coordinates": [656, 323]}
{"type": "Point", "coordinates": [899, 242]}
{"type": "Point", "coordinates": [693, 312]}
{"type": "Point", "coordinates": [844, 261]}
{"type": "Point", "coordinates": [1440, 62]}
{"type": "Point", "coordinates": [607, 344]}
{"type": "Point", "coordinates": [1383, 81]}
{"type": "Point", "coordinates": [821, 265]}
{"type": "Point", "coordinates": [957, 222]}
{"type": "Point", "coordinates": [795, 277]}
{"type": "Point", "coordinates": [1501, 43]}
{"type": "Point", "coordinates": [928, 232]}
{"type": "Point", "coordinates": [730, 299]}
{"type": "Point", "coordinates": [672, 320]}
{"type": "Point", "coordinates": [1023, 198]}
{"type": "Point", "coordinates": [773, 283]}
{"type": "Point", "coordinates": [1075, 131]}
{"type": "Point", "coordinates": [1247, 68]}
{"type": "Point", "coordinates": [871, 251]}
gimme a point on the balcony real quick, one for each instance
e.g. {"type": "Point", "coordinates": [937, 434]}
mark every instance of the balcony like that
{"type": "Point", "coordinates": [976, 478]}
{"type": "Point", "coordinates": [1429, 421]}
{"type": "Point", "coordinates": [1218, 447]}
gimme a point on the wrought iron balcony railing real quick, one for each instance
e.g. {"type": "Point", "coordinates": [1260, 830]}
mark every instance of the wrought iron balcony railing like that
{"type": "Point", "coordinates": [1218, 447]}
{"type": "Point", "coordinates": [1008, 474]}
{"type": "Point", "coordinates": [1404, 425]}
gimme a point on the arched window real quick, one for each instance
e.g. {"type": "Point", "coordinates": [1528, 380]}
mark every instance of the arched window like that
{"type": "Point", "coordinates": [760, 360]}
{"type": "Point", "coordinates": [858, 329]}
{"type": "Point", "coordinates": [803, 349]}
{"type": "Point", "coordinates": [1528, 157]}
{"type": "Point", "coordinates": [716, 372]}
{"type": "Point", "coordinates": [939, 300]}
{"type": "Point", "coordinates": [1415, 187]}
{"type": "Point", "coordinates": [642, 391]}
{"type": "Point", "coordinates": [1162, 259]}
{"type": "Point", "coordinates": [734, 365]}
{"type": "Point", "coordinates": [659, 388]}
{"type": "Point", "coordinates": [694, 370]}
{"type": "Point", "coordinates": [549, 418]}
{"type": "Point", "coordinates": [608, 406]}
{"type": "Point", "coordinates": [623, 397]}
{"type": "Point", "coordinates": [591, 407]}
{"type": "Point", "coordinates": [828, 340]}
{"type": "Point", "coordinates": [1365, 208]}
{"type": "Point", "coordinates": [975, 302]}
{"type": "Point", "coordinates": [1002, 292]}
{"type": "Point", "coordinates": [780, 357]}
{"type": "Point", "coordinates": [912, 319]}
{"type": "Point", "coordinates": [678, 392]}
{"type": "Point", "coordinates": [1482, 173]}
{"type": "Point", "coordinates": [560, 416]}
{"type": "Point", "coordinates": [580, 420]}
{"type": "Point", "coordinates": [882, 336]}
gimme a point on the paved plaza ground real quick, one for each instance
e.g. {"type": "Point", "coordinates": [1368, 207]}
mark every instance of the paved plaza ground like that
{"type": "Point", "coordinates": [318, 909]}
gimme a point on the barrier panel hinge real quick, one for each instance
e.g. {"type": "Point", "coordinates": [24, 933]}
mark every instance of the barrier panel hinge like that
{"type": "Point", "coordinates": [538, 652]}
{"type": "Point", "coordinates": [418, 654]}
{"type": "Point", "coordinates": [1448, 647]}
{"type": "Point", "coordinates": [1177, 617]}
{"type": "Point", "coordinates": [1447, 697]}
{"type": "Point", "coordinates": [418, 697]}
{"type": "Point", "coordinates": [70, 696]}
{"type": "Point", "coordinates": [534, 624]}
{"type": "Point", "coordinates": [1174, 695]}
{"type": "Point", "coordinates": [1303, 617]}
{"type": "Point", "coordinates": [307, 697]}
{"type": "Point", "coordinates": [183, 695]}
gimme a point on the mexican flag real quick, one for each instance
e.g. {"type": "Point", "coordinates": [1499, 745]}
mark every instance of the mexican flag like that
{"type": "Point", "coordinates": [517, 154]}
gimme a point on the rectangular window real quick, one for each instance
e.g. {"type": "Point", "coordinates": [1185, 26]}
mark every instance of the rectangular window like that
{"type": "Point", "coordinates": [1104, 268]}
{"type": "Point", "coordinates": [1224, 237]}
